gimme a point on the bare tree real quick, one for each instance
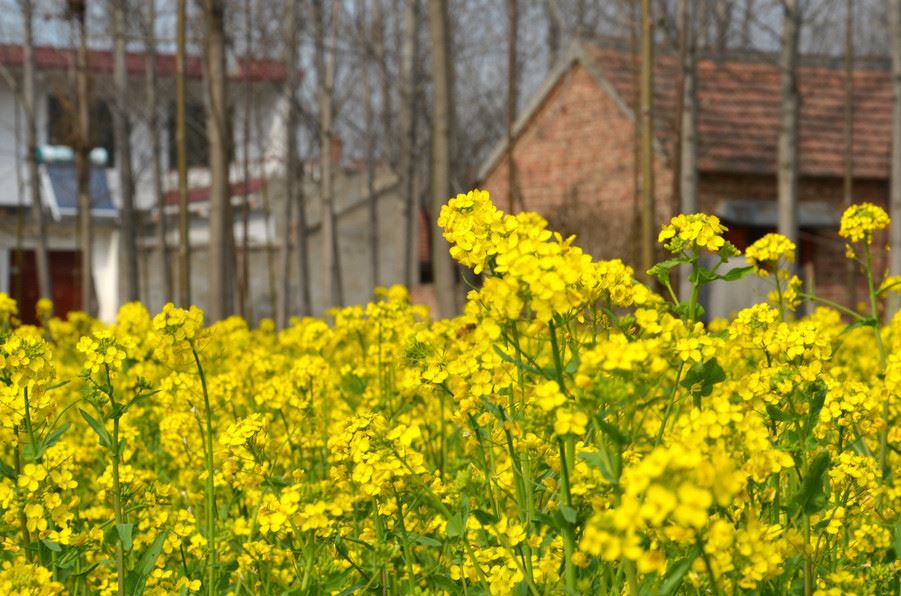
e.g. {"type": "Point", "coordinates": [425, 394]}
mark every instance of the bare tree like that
{"type": "Point", "coordinates": [82, 158]}
{"type": "Point", "coordinates": [512, 96]}
{"type": "Point", "coordinates": [848, 185]}
{"type": "Point", "coordinates": [122, 135]}
{"type": "Point", "coordinates": [325, 75]}
{"type": "Point", "coordinates": [221, 222]}
{"type": "Point", "coordinates": [747, 20]}
{"type": "Point", "coordinates": [369, 110]}
{"type": "Point", "coordinates": [184, 221]}
{"type": "Point", "coordinates": [554, 30]}
{"type": "Point", "coordinates": [788, 132]}
{"type": "Point", "coordinates": [442, 119]}
{"type": "Point", "coordinates": [151, 84]}
{"type": "Point", "coordinates": [894, 14]}
{"type": "Point", "coordinates": [244, 280]}
{"type": "Point", "coordinates": [409, 53]}
{"type": "Point", "coordinates": [647, 136]}
{"type": "Point", "coordinates": [283, 297]}
{"type": "Point", "coordinates": [686, 183]}
{"type": "Point", "coordinates": [45, 286]}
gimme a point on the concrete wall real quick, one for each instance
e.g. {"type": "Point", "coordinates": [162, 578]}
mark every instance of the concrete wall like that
{"type": "Point", "coordinates": [353, 234]}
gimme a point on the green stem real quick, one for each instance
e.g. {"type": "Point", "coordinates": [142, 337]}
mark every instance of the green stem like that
{"type": "Point", "coordinates": [854, 315]}
{"type": "Point", "coordinates": [210, 480]}
{"type": "Point", "coordinates": [569, 546]}
{"type": "Point", "coordinates": [693, 298]}
{"type": "Point", "coordinates": [23, 519]}
{"type": "Point", "coordinates": [117, 508]}
{"type": "Point", "coordinates": [714, 587]}
{"type": "Point", "coordinates": [874, 312]}
{"type": "Point", "coordinates": [28, 428]}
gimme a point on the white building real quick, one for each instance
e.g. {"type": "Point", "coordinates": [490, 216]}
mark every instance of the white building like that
{"type": "Point", "coordinates": [54, 76]}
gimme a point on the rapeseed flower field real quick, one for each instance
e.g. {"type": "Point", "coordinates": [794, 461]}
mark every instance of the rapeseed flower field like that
{"type": "Point", "coordinates": [572, 432]}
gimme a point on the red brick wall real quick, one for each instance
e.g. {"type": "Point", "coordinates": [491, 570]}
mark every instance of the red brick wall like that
{"type": "Point", "coordinates": [575, 167]}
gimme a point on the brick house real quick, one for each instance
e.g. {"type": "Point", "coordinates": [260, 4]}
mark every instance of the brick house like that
{"type": "Point", "coordinates": [575, 150]}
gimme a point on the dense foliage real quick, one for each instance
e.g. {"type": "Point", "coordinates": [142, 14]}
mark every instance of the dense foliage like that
{"type": "Point", "coordinates": [571, 432]}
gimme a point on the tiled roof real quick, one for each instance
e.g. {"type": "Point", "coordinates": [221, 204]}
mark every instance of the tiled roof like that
{"type": "Point", "coordinates": [101, 61]}
{"type": "Point", "coordinates": [200, 194]}
{"type": "Point", "coordinates": [739, 112]}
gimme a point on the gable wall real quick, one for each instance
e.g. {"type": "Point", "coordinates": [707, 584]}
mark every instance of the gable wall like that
{"type": "Point", "coordinates": [574, 161]}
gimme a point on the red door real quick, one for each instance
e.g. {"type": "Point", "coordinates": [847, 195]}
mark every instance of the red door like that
{"type": "Point", "coordinates": [65, 275]}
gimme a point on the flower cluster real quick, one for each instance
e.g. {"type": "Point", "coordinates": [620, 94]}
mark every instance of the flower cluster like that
{"type": "Point", "coordinates": [571, 431]}
{"type": "Point", "coordinates": [766, 253]}
{"type": "Point", "coordinates": [697, 231]}
{"type": "Point", "coordinates": [861, 221]}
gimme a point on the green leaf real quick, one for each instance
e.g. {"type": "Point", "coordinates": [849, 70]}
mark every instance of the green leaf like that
{"type": "Point", "coordinates": [816, 404]}
{"type": "Point", "coordinates": [517, 363]}
{"type": "Point", "coordinates": [896, 542]}
{"type": "Point", "coordinates": [455, 526]}
{"type": "Point", "coordinates": [101, 431]}
{"type": "Point", "coordinates": [424, 540]}
{"type": "Point", "coordinates": [811, 496]}
{"type": "Point", "coordinates": [662, 269]}
{"type": "Point", "coordinates": [52, 545]}
{"type": "Point", "coordinates": [701, 377]}
{"type": "Point", "coordinates": [124, 531]}
{"type": "Point", "coordinates": [485, 518]}
{"type": "Point", "coordinates": [776, 414]}
{"type": "Point", "coordinates": [674, 575]}
{"type": "Point", "coordinates": [702, 275]}
{"type": "Point", "coordinates": [612, 431]}
{"type": "Point", "coordinates": [137, 399]}
{"type": "Point", "coordinates": [601, 460]}
{"type": "Point", "coordinates": [138, 576]}
{"type": "Point", "coordinates": [8, 471]}
{"type": "Point", "coordinates": [569, 514]}
{"type": "Point", "coordinates": [736, 273]}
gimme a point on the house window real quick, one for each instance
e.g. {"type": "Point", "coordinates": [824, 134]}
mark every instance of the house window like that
{"type": "Point", "coordinates": [198, 152]}
{"type": "Point", "coordinates": [62, 125]}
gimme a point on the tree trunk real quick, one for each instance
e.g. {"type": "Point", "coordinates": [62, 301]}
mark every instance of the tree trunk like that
{"type": "Point", "coordinates": [647, 136]}
{"type": "Point", "coordinates": [325, 71]}
{"type": "Point", "coordinates": [371, 197]}
{"type": "Point", "coordinates": [45, 284]}
{"type": "Point", "coordinates": [122, 135]}
{"type": "Point", "coordinates": [788, 133]}
{"type": "Point", "coordinates": [895, 190]}
{"type": "Point", "coordinates": [244, 306]}
{"type": "Point", "coordinates": [746, 22]}
{"type": "Point", "coordinates": [221, 222]}
{"type": "Point", "coordinates": [688, 146]}
{"type": "Point", "coordinates": [283, 298]}
{"type": "Point", "coordinates": [151, 83]}
{"type": "Point", "coordinates": [385, 84]}
{"type": "Point", "coordinates": [442, 62]}
{"type": "Point", "coordinates": [851, 267]}
{"type": "Point", "coordinates": [552, 36]}
{"type": "Point", "coordinates": [512, 96]}
{"type": "Point", "coordinates": [184, 221]}
{"type": "Point", "coordinates": [409, 52]}
{"type": "Point", "coordinates": [83, 172]}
